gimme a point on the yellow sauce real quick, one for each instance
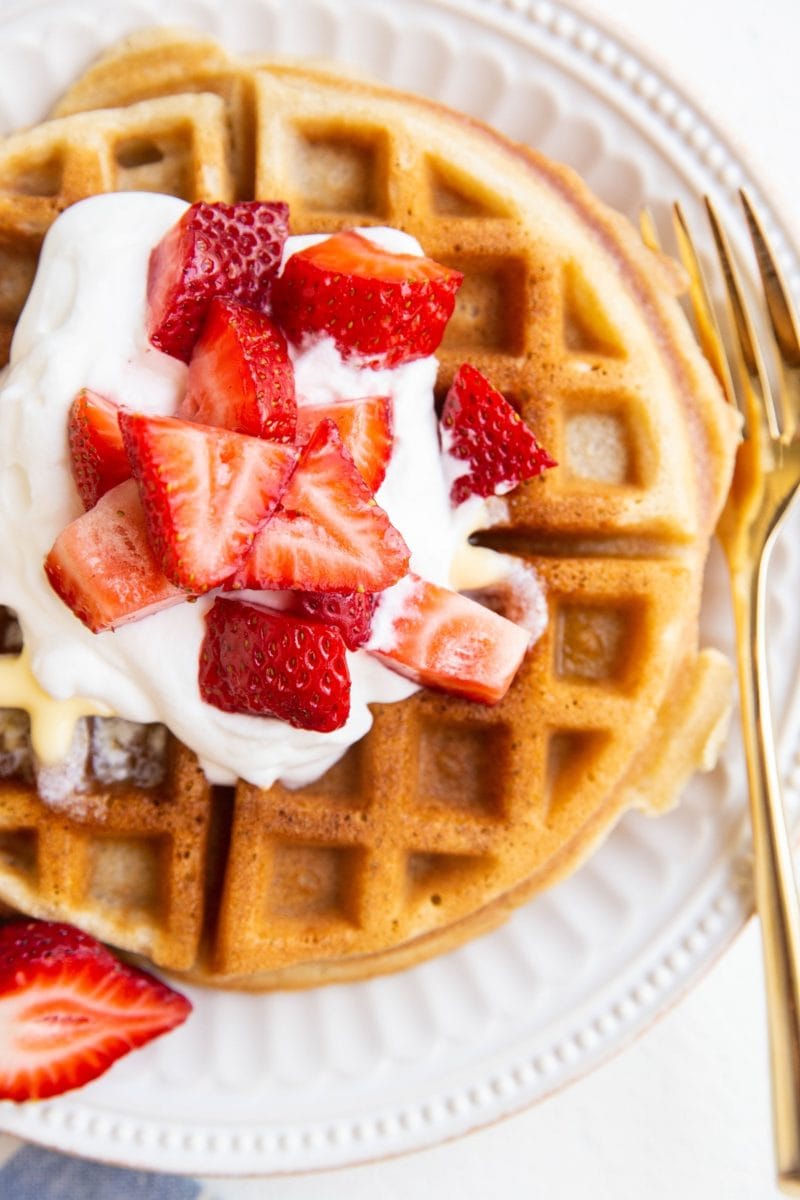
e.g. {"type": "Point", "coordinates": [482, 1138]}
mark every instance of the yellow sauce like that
{"type": "Point", "coordinates": [52, 721]}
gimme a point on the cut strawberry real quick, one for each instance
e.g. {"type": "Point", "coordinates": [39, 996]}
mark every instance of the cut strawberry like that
{"type": "Point", "coordinates": [383, 308]}
{"type": "Point", "coordinates": [493, 448]}
{"type": "Point", "coordinates": [351, 613]}
{"type": "Point", "coordinates": [228, 250]}
{"type": "Point", "coordinates": [265, 663]}
{"type": "Point", "coordinates": [443, 640]}
{"type": "Point", "coordinates": [99, 461]}
{"type": "Point", "coordinates": [102, 566]}
{"type": "Point", "coordinates": [205, 492]}
{"type": "Point", "coordinates": [240, 376]}
{"type": "Point", "coordinates": [328, 535]}
{"type": "Point", "coordinates": [69, 1009]}
{"type": "Point", "coordinates": [518, 595]}
{"type": "Point", "coordinates": [365, 427]}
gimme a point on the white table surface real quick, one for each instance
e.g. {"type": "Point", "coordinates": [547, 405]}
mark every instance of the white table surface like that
{"type": "Point", "coordinates": [684, 1112]}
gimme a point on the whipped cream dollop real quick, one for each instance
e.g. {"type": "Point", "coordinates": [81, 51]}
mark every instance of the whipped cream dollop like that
{"type": "Point", "coordinates": [84, 326]}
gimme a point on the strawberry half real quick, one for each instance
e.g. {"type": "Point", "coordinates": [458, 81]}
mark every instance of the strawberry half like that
{"type": "Point", "coordinates": [205, 493]}
{"type": "Point", "coordinates": [328, 535]}
{"type": "Point", "coordinates": [240, 376]}
{"type": "Point", "coordinates": [102, 566]}
{"type": "Point", "coordinates": [258, 661]}
{"type": "Point", "coordinates": [69, 1009]}
{"type": "Point", "coordinates": [365, 427]}
{"type": "Point", "coordinates": [383, 308]}
{"type": "Point", "coordinates": [351, 613]}
{"type": "Point", "coordinates": [99, 461]}
{"type": "Point", "coordinates": [217, 249]}
{"type": "Point", "coordinates": [494, 449]}
{"type": "Point", "coordinates": [443, 640]}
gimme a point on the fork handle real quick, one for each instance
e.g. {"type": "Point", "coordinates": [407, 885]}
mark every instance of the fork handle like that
{"type": "Point", "coordinates": [773, 869]}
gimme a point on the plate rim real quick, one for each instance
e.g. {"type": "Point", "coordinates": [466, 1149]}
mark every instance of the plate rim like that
{"type": "Point", "coordinates": [73, 1125]}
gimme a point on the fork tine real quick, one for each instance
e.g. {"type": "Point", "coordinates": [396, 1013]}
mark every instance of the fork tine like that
{"type": "Point", "coordinates": [782, 319]}
{"type": "Point", "coordinates": [708, 329]}
{"type": "Point", "coordinates": [781, 311]}
{"type": "Point", "coordinates": [752, 374]}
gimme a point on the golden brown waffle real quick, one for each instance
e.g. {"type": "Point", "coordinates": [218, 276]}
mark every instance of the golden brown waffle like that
{"type": "Point", "coordinates": [447, 813]}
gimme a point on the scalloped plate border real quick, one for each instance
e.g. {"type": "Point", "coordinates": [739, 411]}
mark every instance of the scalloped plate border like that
{"type": "Point", "coordinates": [506, 1083]}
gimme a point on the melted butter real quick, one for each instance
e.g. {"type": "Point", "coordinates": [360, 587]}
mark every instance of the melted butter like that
{"type": "Point", "coordinates": [476, 567]}
{"type": "Point", "coordinates": [52, 721]}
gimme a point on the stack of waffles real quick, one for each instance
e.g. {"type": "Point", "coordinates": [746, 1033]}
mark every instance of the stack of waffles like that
{"type": "Point", "coordinates": [446, 814]}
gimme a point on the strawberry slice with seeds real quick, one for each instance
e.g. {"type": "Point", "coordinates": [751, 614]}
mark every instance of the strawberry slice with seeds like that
{"type": "Point", "coordinates": [492, 448]}
{"type": "Point", "coordinates": [351, 613]}
{"type": "Point", "coordinates": [328, 535]}
{"type": "Point", "coordinates": [205, 493]}
{"type": "Point", "coordinates": [365, 427]}
{"type": "Point", "coordinates": [69, 1009]}
{"type": "Point", "coordinates": [240, 375]}
{"type": "Point", "coordinates": [383, 308]}
{"type": "Point", "coordinates": [99, 461]}
{"type": "Point", "coordinates": [216, 249]}
{"type": "Point", "coordinates": [102, 566]}
{"type": "Point", "coordinates": [258, 661]}
{"type": "Point", "coordinates": [445, 641]}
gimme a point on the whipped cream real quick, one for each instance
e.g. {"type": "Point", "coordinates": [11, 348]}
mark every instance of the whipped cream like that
{"type": "Point", "coordinates": [84, 326]}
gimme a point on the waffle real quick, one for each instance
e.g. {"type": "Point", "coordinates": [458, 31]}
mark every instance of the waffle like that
{"type": "Point", "coordinates": [446, 814]}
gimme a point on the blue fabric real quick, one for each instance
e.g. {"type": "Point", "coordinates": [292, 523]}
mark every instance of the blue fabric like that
{"type": "Point", "coordinates": [34, 1174]}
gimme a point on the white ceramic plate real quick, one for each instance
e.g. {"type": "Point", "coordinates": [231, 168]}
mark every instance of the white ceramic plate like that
{"type": "Point", "coordinates": [256, 1085]}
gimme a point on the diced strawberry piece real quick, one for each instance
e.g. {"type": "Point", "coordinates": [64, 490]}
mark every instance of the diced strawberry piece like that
{"type": "Point", "coordinates": [519, 596]}
{"type": "Point", "coordinates": [99, 461]}
{"type": "Point", "coordinates": [240, 376]}
{"type": "Point", "coordinates": [493, 448]}
{"type": "Point", "coordinates": [351, 613]}
{"type": "Point", "coordinates": [205, 493]}
{"type": "Point", "coordinates": [217, 249]}
{"type": "Point", "coordinates": [443, 640]}
{"type": "Point", "coordinates": [102, 566]}
{"type": "Point", "coordinates": [69, 1009]}
{"type": "Point", "coordinates": [383, 308]}
{"type": "Point", "coordinates": [328, 535]}
{"type": "Point", "coordinates": [258, 661]}
{"type": "Point", "coordinates": [365, 427]}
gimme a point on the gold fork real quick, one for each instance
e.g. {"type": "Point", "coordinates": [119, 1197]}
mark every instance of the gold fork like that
{"type": "Point", "coordinates": [766, 479]}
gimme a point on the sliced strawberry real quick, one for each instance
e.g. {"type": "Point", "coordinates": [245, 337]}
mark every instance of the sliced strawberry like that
{"type": "Point", "coordinates": [351, 612]}
{"type": "Point", "coordinates": [518, 595]}
{"type": "Point", "coordinates": [493, 448]}
{"type": "Point", "coordinates": [443, 640]}
{"type": "Point", "coordinates": [258, 661]}
{"type": "Point", "coordinates": [102, 566]}
{"type": "Point", "coordinates": [205, 492]}
{"type": "Point", "coordinates": [240, 376]}
{"type": "Point", "coordinates": [99, 461]}
{"type": "Point", "coordinates": [69, 1009]}
{"type": "Point", "coordinates": [383, 308]}
{"type": "Point", "coordinates": [328, 535]}
{"type": "Point", "coordinates": [217, 249]}
{"type": "Point", "coordinates": [365, 427]}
